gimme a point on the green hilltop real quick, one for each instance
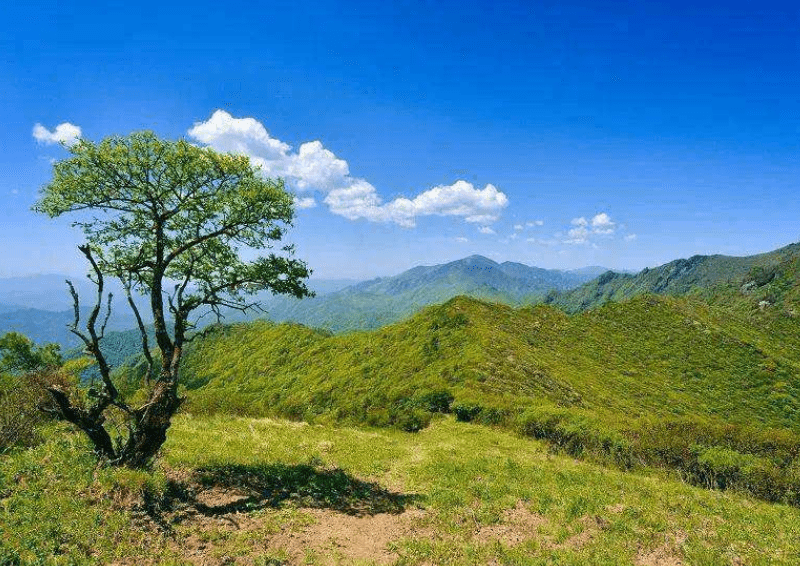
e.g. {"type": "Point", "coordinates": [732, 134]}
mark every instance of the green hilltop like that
{"type": "Point", "coordinates": [651, 355]}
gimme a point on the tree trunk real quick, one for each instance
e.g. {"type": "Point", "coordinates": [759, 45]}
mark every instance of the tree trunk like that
{"type": "Point", "coordinates": [150, 423]}
{"type": "Point", "coordinates": [90, 422]}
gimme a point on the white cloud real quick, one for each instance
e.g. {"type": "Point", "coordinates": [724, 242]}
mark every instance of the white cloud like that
{"type": "Point", "coordinates": [485, 230]}
{"type": "Point", "coordinates": [462, 239]}
{"type": "Point", "coordinates": [577, 235]}
{"type": "Point", "coordinates": [529, 224]}
{"type": "Point", "coordinates": [358, 200]}
{"type": "Point", "coordinates": [239, 135]}
{"type": "Point", "coordinates": [65, 133]}
{"type": "Point", "coordinates": [313, 167]}
{"type": "Point", "coordinates": [543, 241]}
{"type": "Point", "coordinates": [602, 224]}
{"type": "Point", "coordinates": [630, 237]}
{"type": "Point", "coordinates": [582, 229]}
{"type": "Point", "coordinates": [305, 202]}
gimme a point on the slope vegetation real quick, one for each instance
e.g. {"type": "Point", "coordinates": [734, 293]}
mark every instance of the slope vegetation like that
{"type": "Point", "coordinates": [679, 277]}
{"type": "Point", "coordinates": [709, 386]}
{"type": "Point", "coordinates": [652, 355]}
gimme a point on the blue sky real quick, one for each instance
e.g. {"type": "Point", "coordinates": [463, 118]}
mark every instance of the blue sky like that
{"type": "Point", "coordinates": [556, 134]}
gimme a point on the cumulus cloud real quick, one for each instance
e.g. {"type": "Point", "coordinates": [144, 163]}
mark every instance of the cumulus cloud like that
{"type": "Point", "coordinates": [65, 133]}
{"type": "Point", "coordinates": [602, 224]}
{"type": "Point", "coordinates": [462, 199]}
{"type": "Point", "coordinates": [485, 230]}
{"type": "Point", "coordinates": [630, 237]}
{"type": "Point", "coordinates": [314, 168]}
{"type": "Point", "coordinates": [582, 229]}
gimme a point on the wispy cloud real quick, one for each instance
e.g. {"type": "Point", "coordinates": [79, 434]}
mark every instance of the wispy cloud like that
{"type": "Point", "coordinates": [304, 202]}
{"type": "Point", "coordinates": [65, 133]}
{"type": "Point", "coordinates": [529, 224]}
{"type": "Point", "coordinates": [314, 168]}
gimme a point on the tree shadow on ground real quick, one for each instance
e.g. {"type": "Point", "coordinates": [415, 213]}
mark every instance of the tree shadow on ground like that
{"type": "Point", "coordinates": [246, 488]}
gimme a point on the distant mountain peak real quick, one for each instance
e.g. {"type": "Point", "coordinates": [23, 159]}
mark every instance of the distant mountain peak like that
{"type": "Point", "coordinates": [476, 259]}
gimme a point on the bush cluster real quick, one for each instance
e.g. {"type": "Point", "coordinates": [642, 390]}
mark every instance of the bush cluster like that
{"type": "Point", "coordinates": [762, 462]}
{"type": "Point", "coordinates": [25, 406]}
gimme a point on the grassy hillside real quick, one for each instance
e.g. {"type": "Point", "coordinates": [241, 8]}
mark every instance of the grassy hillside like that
{"type": "Point", "coordinates": [655, 394]}
{"type": "Point", "coordinates": [711, 387]}
{"type": "Point", "coordinates": [679, 277]}
{"type": "Point", "coordinates": [255, 491]}
{"type": "Point", "coordinates": [650, 356]}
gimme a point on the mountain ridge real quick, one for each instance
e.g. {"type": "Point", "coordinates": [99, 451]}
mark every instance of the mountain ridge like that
{"type": "Point", "coordinates": [383, 300]}
{"type": "Point", "coordinates": [678, 277]}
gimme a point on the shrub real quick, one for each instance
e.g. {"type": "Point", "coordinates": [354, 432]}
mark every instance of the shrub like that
{"type": "Point", "coordinates": [413, 420]}
{"type": "Point", "coordinates": [436, 401]}
{"type": "Point", "coordinates": [466, 413]}
{"type": "Point", "coordinates": [25, 406]}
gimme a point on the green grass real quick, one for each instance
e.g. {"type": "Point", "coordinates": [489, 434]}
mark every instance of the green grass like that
{"type": "Point", "coordinates": [57, 507]}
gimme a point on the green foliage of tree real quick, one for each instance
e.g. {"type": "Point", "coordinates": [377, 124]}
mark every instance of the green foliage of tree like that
{"type": "Point", "coordinates": [169, 220]}
{"type": "Point", "coordinates": [18, 354]}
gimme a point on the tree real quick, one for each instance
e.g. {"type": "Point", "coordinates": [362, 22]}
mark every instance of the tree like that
{"type": "Point", "coordinates": [168, 219]}
{"type": "Point", "coordinates": [24, 369]}
{"type": "Point", "coordinates": [18, 354]}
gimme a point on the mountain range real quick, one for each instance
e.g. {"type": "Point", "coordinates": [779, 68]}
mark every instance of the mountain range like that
{"type": "Point", "coordinates": [707, 383]}
{"type": "Point", "coordinates": [40, 306]}
{"type": "Point", "coordinates": [377, 302]}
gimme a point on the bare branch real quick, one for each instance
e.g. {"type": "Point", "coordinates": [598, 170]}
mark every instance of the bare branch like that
{"type": "Point", "coordinates": [91, 422]}
{"type": "Point", "coordinates": [75, 304]}
{"type": "Point", "coordinates": [142, 330]}
{"type": "Point", "coordinates": [94, 344]}
{"type": "Point", "coordinates": [108, 315]}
